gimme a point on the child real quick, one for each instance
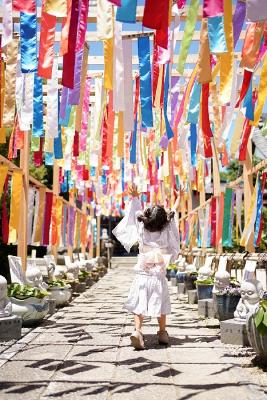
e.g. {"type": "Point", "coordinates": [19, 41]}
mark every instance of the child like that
{"type": "Point", "coordinates": [156, 231]}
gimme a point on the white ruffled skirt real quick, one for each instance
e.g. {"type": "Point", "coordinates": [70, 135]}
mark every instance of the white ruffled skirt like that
{"type": "Point", "coordinates": [149, 294]}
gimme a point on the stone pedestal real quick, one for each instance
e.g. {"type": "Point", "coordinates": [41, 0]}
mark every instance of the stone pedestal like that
{"type": "Point", "coordinates": [10, 328]}
{"type": "Point", "coordinates": [173, 281]}
{"type": "Point", "coordinates": [80, 287]}
{"type": "Point", "coordinates": [52, 306]}
{"type": "Point", "coordinates": [180, 288]}
{"type": "Point", "coordinates": [234, 332]}
{"type": "Point", "coordinates": [206, 308]}
{"type": "Point", "coordinates": [192, 296]}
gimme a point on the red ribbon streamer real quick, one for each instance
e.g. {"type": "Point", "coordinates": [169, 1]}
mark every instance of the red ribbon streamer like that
{"type": "Point", "coordinates": [47, 217]}
{"type": "Point", "coordinates": [155, 76]}
{"type": "Point", "coordinates": [245, 85]}
{"type": "Point", "coordinates": [156, 16]}
{"type": "Point", "coordinates": [206, 130]}
{"type": "Point", "coordinates": [246, 135]}
{"type": "Point", "coordinates": [46, 49]}
{"type": "Point", "coordinates": [38, 155]}
{"type": "Point", "coordinates": [5, 228]}
{"type": "Point", "coordinates": [24, 5]}
{"type": "Point", "coordinates": [264, 175]}
{"type": "Point", "coordinates": [75, 148]}
{"type": "Point", "coordinates": [69, 57]}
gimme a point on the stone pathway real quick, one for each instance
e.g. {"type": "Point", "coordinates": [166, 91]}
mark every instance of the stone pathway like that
{"type": "Point", "coordinates": [83, 352]}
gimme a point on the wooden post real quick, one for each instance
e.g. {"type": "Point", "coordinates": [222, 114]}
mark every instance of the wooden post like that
{"type": "Point", "coordinates": [56, 192]}
{"type": "Point", "coordinates": [23, 227]}
{"type": "Point", "coordinates": [91, 248]}
{"type": "Point", "coordinates": [248, 190]}
{"type": "Point", "coordinates": [98, 222]}
{"type": "Point", "coordinates": [71, 203]}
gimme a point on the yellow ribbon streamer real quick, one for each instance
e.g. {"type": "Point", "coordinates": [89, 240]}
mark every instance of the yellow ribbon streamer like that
{"type": "Point", "coordinates": [10, 83]}
{"type": "Point", "coordinates": [262, 93]}
{"type": "Point", "coordinates": [58, 8]}
{"type": "Point", "coordinates": [204, 67]}
{"type": "Point", "coordinates": [235, 143]}
{"type": "Point", "coordinates": [59, 206]}
{"type": "Point", "coordinates": [16, 192]}
{"type": "Point", "coordinates": [104, 20]}
{"type": "Point", "coordinates": [227, 59]}
{"type": "Point", "coordinates": [108, 64]}
{"type": "Point", "coordinates": [249, 226]}
{"type": "Point", "coordinates": [3, 175]}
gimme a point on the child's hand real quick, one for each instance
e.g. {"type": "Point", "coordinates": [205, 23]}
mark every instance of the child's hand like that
{"type": "Point", "coordinates": [133, 190]}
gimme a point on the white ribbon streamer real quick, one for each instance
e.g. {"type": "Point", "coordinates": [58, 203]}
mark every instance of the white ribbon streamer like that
{"type": "Point", "coordinates": [52, 103]}
{"type": "Point", "coordinates": [26, 114]}
{"type": "Point", "coordinates": [30, 213]}
{"type": "Point", "coordinates": [128, 116]}
{"type": "Point", "coordinates": [36, 214]}
{"type": "Point", "coordinates": [118, 70]}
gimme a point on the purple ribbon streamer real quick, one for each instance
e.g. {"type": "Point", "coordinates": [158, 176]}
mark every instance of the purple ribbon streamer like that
{"type": "Point", "coordinates": [71, 225]}
{"type": "Point", "coordinates": [63, 102]}
{"type": "Point", "coordinates": [174, 97]}
{"type": "Point", "coordinates": [74, 94]}
{"type": "Point", "coordinates": [238, 19]}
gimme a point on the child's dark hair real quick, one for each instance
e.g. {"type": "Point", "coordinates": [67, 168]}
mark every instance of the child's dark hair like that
{"type": "Point", "coordinates": [155, 218]}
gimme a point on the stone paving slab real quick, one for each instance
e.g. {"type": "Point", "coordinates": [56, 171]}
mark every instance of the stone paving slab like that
{"type": "Point", "coordinates": [83, 352]}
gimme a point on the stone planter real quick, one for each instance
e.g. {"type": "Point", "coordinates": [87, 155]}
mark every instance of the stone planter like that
{"type": "Point", "coordinates": [61, 295]}
{"type": "Point", "coordinates": [190, 281]}
{"type": "Point", "coordinates": [31, 310]}
{"type": "Point", "coordinates": [173, 277]}
{"type": "Point", "coordinates": [204, 291]}
{"type": "Point", "coordinates": [225, 306]}
{"type": "Point", "coordinates": [180, 276]}
{"type": "Point", "coordinates": [258, 342]}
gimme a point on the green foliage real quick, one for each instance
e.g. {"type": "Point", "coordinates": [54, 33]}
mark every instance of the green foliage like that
{"type": "Point", "coordinates": [171, 267]}
{"type": "Point", "coordinates": [22, 292]}
{"type": "Point", "coordinates": [260, 318]}
{"type": "Point", "coordinates": [57, 283]}
{"type": "Point", "coordinates": [209, 281]}
{"type": "Point", "coordinates": [83, 275]}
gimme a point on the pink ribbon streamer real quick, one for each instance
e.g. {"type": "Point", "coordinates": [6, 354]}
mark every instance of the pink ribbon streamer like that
{"type": "Point", "coordinates": [212, 8]}
{"type": "Point", "coordinates": [84, 7]}
{"type": "Point", "coordinates": [7, 22]}
{"type": "Point", "coordinates": [85, 114]}
{"type": "Point", "coordinates": [116, 2]}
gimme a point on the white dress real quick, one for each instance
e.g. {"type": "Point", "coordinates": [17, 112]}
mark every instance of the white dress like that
{"type": "Point", "coordinates": [149, 295]}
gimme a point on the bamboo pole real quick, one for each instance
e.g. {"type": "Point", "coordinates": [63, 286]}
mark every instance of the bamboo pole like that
{"type": "Point", "coordinates": [22, 232]}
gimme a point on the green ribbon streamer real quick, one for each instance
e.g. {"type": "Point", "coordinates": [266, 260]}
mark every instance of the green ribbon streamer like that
{"type": "Point", "coordinates": [227, 228]}
{"type": "Point", "coordinates": [188, 34]}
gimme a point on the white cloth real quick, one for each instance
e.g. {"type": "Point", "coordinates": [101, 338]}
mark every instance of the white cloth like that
{"type": "Point", "coordinates": [149, 294]}
{"type": "Point", "coordinates": [130, 231]}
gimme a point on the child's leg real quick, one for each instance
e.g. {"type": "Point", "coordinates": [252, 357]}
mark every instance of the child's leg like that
{"type": "Point", "coordinates": [138, 321]}
{"type": "Point", "coordinates": [162, 322]}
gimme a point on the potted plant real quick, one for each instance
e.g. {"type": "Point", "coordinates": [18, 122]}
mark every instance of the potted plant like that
{"type": "Point", "coordinates": [31, 304]}
{"type": "Point", "coordinates": [257, 330]}
{"type": "Point", "coordinates": [83, 275]}
{"type": "Point", "coordinates": [190, 280]}
{"type": "Point", "coordinates": [60, 291]}
{"type": "Point", "coordinates": [226, 302]}
{"type": "Point", "coordinates": [171, 271]}
{"type": "Point", "coordinates": [204, 288]}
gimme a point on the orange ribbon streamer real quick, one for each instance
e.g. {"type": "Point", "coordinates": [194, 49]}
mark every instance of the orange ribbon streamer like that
{"type": "Point", "coordinates": [46, 49]}
{"type": "Point", "coordinates": [16, 192]}
{"type": "Point", "coordinates": [251, 46]}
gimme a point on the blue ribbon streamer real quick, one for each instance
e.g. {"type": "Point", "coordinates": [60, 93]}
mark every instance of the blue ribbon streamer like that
{"type": "Point", "coordinates": [258, 214]}
{"type": "Point", "coordinates": [28, 42]}
{"type": "Point", "coordinates": [169, 130]}
{"type": "Point", "coordinates": [127, 11]}
{"type": "Point", "coordinates": [65, 121]}
{"type": "Point", "coordinates": [38, 122]}
{"type": "Point", "coordinates": [49, 158]}
{"type": "Point", "coordinates": [216, 35]}
{"type": "Point", "coordinates": [248, 103]}
{"type": "Point", "coordinates": [145, 81]}
{"type": "Point", "coordinates": [58, 140]}
{"type": "Point", "coordinates": [133, 143]}
{"type": "Point", "coordinates": [194, 105]}
{"type": "Point", "coordinates": [193, 144]}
